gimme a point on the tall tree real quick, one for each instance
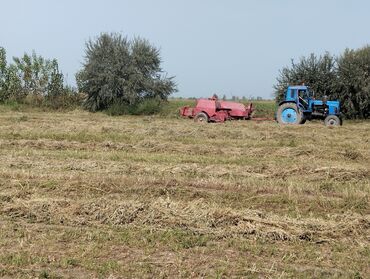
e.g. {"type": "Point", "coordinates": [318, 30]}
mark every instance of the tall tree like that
{"type": "Point", "coordinates": [13, 85]}
{"type": "Point", "coordinates": [31, 75]}
{"type": "Point", "coordinates": [34, 71]}
{"type": "Point", "coordinates": [318, 72]}
{"type": "Point", "coordinates": [55, 85]}
{"type": "Point", "coordinates": [3, 66]}
{"type": "Point", "coordinates": [118, 70]}
{"type": "Point", "coordinates": [354, 82]}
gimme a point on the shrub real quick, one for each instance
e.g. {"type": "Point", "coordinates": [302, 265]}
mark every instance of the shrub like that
{"type": "Point", "coordinates": [145, 107]}
{"type": "Point", "coordinates": [119, 108]}
{"type": "Point", "coordinates": [149, 106]}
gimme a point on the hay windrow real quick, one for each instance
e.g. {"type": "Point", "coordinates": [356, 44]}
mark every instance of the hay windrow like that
{"type": "Point", "coordinates": [196, 216]}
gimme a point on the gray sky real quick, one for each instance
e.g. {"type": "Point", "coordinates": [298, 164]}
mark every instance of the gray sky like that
{"type": "Point", "coordinates": [230, 47]}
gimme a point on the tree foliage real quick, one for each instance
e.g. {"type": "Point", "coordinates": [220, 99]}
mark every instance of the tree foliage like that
{"type": "Point", "coordinates": [346, 78]}
{"type": "Point", "coordinates": [3, 72]}
{"type": "Point", "coordinates": [317, 71]}
{"type": "Point", "coordinates": [33, 79]}
{"type": "Point", "coordinates": [118, 71]}
{"type": "Point", "coordinates": [354, 82]}
{"type": "Point", "coordinates": [34, 73]}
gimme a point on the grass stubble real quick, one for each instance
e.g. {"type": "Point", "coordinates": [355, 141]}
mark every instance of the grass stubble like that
{"type": "Point", "coordinates": [90, 196]}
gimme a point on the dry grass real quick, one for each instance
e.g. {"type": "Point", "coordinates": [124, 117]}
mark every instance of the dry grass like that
{"type": "Point", "coordinates": [90, 196]}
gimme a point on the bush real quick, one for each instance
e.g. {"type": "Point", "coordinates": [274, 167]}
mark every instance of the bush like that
{"type": "Point", "coordinates": [149, 107]}
{"type": "Point", "coordinates": [119, 108]}
{"type": "Point", "coordinates": [69, 99]}
{"type": "Point", "coordinates": [146, 107]}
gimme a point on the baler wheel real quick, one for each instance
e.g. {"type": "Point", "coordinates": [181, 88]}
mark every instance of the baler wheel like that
{"type": "Point", "coordinates": [201, 117]}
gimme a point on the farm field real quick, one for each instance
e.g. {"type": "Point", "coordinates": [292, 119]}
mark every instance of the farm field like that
{"type": "Point", "coordinates": [92, 196]}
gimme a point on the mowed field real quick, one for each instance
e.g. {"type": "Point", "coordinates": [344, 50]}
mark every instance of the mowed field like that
{"type": "Point", "coordinates": [92, 196]}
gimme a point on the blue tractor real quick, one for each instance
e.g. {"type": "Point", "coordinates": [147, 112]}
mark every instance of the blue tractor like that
{"type": "Point", "coordinates": [300, 105]}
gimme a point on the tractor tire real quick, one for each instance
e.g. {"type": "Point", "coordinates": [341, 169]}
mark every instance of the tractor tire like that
{"type": "Point", "coordinates": [332, 120]}
{"type": "Point", "coordinates": [288, 113]}
{"type": "Point", "coordinates": [303, 121]}
{"type": "Point", "coordinates": [201, 118]}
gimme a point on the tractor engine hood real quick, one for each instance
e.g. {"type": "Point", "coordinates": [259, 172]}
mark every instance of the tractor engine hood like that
{"type": "Point", "coordinates": [328, 103]}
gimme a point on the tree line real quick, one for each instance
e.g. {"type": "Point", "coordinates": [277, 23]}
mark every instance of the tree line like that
{"type": "Point", "coordinates": [345, 77]}
{"type": "Point", "coordinates": [119, 75]}
{"type": "Point", "coordinates": [34, 80]}
{"type": "Point", "coordinates": [124, 76]}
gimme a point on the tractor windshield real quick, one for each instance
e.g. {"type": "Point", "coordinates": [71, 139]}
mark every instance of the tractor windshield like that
{"type": "Point", "coordinates": [304, 93]}
{"type": "Point", "coordinates": [310, 93]}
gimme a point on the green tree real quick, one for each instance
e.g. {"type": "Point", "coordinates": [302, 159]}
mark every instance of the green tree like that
{"type": "Point", "coordinates": [13, 85]}
{"type": "Point", "coordinates": [55, 84]}
{"type": "Point", "coordinates": [35, 80]}
{"type": "Point", "coordinates": [354, 82]}
{"type": "Point", "coordinates": [121, 71]}
{"type": "Point", "coordinates": [34, 72]}
{"type": "Point", "coordinates": [317, 72]}
{"type": "Point", "coordinates": [3, 68]}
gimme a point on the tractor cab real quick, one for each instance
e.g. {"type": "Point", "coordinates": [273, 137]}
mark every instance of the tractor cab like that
{"type": "Point", "coordinates": [301, 95]}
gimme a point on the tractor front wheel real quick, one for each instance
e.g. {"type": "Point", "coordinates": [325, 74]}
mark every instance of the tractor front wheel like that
{"type": "Point", "coordinates": [332, 120]}
{"type": "Point", "coordinates": [201, 117]}
{"type": "Point", "coordinates": [288, 113]}
{"type": "Point", "coordinates": [303, 120]}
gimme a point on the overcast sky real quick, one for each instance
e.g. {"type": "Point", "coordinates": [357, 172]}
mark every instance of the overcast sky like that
{"type": "Point", "coordinates": [233, 47]}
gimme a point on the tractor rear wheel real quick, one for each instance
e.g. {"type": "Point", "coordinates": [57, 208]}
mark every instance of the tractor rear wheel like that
{"type": "Point", "coordinates": [201, 117]}
{"type": "Point", "coordinates": [332, 120]}
{"type": "Point", "coordinates": [288, 113]}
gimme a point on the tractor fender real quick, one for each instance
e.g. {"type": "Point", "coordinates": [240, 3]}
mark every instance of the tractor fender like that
{"type": "Point", "coordinates": [284, 102]}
